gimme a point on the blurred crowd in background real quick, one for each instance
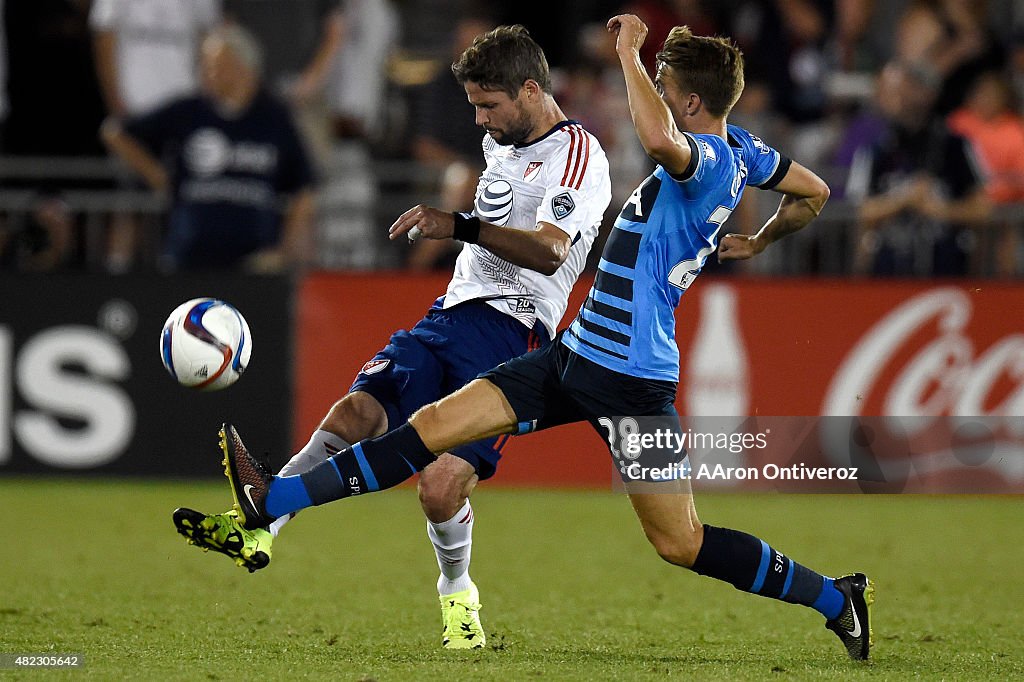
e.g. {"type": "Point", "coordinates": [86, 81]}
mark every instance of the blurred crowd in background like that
{"type": "Point", "coordinates": [271, 135]}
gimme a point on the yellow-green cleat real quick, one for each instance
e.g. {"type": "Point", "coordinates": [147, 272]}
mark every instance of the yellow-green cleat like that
{"type": "Point", "coordinates": [460, 616]}
{"type": "Point", "coordinates": [224, 533]}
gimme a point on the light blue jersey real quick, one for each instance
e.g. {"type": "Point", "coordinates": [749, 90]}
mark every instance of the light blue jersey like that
{"type": "Point", "coordinates": [666, 230]}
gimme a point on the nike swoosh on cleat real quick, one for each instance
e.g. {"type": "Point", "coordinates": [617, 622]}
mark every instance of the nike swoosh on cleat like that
{"type": "Point", "coordinates": [855, 632]}
{"type": "Point", "coordinates": [249, 486]}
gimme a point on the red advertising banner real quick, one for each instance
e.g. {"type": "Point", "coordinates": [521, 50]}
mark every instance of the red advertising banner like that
{"type": "Point", "coordinates": [947, 359]}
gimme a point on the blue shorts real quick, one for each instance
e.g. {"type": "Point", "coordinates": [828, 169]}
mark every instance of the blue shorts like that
{"type": "Point", "coordinates": [444, 351]}
{"type": "Point", "coordinates": [553, 386]}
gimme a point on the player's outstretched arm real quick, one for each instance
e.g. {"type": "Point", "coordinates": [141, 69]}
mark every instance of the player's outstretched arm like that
{"type": "Point", "coordinates": [658, 133]}
{"type": "Point", "coordinates": [542, 249]}
{"type": "Point", "coordinates": [804, 195]}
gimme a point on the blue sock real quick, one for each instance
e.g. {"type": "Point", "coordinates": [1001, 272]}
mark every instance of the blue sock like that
{"type": "Point", "coordinates": [831, 601]}
{"type": "Point", "coordinates": [366, 467]}
{"type": "Point", "coordinates": [750, 565]}
{"type": "Point", "coordinates": [287, 494]}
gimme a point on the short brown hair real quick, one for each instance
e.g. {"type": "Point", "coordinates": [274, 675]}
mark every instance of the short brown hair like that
{"type": "Point", "coordinates": [503, 59]}
{"type": "Point", "coordinates": [710, 67]}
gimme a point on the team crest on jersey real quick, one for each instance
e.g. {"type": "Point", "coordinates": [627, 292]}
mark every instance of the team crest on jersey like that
{"type": "Point", "coordinates": [562, 205]}
{"type": "Point", "coordinates": [494, 203]}
{"type": "Point", "coordinates": [532, 168]}
{"type": "Point", "coordinates": [374, 366]}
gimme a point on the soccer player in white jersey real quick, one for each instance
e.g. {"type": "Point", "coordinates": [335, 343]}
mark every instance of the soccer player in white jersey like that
{"type": "Point", "coordinates": [539, 205]}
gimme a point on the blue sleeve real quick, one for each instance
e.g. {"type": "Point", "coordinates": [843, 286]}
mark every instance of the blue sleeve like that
{"type": "Point", "coordinates": [765, 166]}
{"type": "Point", "coordinates": [706, 155]}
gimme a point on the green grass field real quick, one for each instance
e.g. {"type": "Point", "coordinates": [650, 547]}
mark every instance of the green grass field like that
{"type": "Point", "coordinates": [571, 590]}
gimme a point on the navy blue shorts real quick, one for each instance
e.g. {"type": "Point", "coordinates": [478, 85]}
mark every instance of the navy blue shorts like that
{"type": "Point", "coordinates": [553, 386]}
{"type": "Point", "coordinates": [444, 351]}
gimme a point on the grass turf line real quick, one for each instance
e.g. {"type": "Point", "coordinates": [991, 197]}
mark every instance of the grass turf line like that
{"type": "Point", "coordinates": [570, 588]}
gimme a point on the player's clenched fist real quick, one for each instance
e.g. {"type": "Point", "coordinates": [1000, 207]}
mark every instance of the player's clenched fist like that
{"type": "Point", "coordinates": [423, 221]}
{"type": "Point", "coordinates": [739, 247]}
{"type": "Point", "coordinates": [630, 31]}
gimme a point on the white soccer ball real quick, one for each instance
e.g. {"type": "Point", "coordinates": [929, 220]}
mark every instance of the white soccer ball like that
{"type": "Point", "coordinates": [205, 344]}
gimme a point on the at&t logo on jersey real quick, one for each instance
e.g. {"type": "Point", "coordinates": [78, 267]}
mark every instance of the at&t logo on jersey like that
{"type": "Point", "coordinates": [210, 152]}
{"type": "Point", "coordinates": [207, 152]}
{"type": "Point", "coordinates": [494, 203]}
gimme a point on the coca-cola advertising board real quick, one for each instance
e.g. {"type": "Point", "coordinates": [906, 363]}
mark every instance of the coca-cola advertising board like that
{"type": "Point", "coordinates": [919, 386]}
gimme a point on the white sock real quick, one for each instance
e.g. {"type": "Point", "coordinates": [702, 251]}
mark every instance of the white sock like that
{"type": "Point", "coordinates": [453, 543]}
{"type": "Point", "coordinates": [321, 446]}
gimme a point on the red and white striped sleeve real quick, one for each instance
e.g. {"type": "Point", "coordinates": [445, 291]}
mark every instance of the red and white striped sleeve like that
{"type": "Point", "coordinates": [576, 180]}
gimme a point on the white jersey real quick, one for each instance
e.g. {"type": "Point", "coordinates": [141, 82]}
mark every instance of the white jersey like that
{"type": "Point", "coordinates": [157, 46]}
{"type": "Point", "coordinates": [560, 178]}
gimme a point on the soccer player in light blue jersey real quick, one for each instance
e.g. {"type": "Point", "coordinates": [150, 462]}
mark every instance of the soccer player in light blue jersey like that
{"type": "Point", "coordinates": [619, 358]}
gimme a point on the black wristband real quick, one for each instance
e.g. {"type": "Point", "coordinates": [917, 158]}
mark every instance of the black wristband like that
{"type": "Point", "coordinates": [467, 227]}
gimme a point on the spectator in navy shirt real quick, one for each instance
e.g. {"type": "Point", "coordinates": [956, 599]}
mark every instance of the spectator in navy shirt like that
{"type": "Point", "coordinates": [239, 178]}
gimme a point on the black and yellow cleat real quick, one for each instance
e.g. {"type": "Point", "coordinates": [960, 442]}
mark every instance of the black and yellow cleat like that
{"type": "Point", "coordinates": [224, 533]}
{"type": "Point", "coordinates": [853, 626]}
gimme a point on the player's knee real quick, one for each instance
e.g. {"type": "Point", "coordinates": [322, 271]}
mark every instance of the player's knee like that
{"type": "Point", "coordinates": [679, 549]}
{"type": "Point", "coordinates": [356, 416]}
{"type": "Point", "coordinates": [440, 495]}
{"type": "Point", "coordinates": [675, 552]}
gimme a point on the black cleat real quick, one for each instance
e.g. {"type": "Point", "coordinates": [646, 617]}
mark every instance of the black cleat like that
{"type": "Point", "coordinates": [853, 626]}
{"type": "Point", "coordinates": [250, 481]}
